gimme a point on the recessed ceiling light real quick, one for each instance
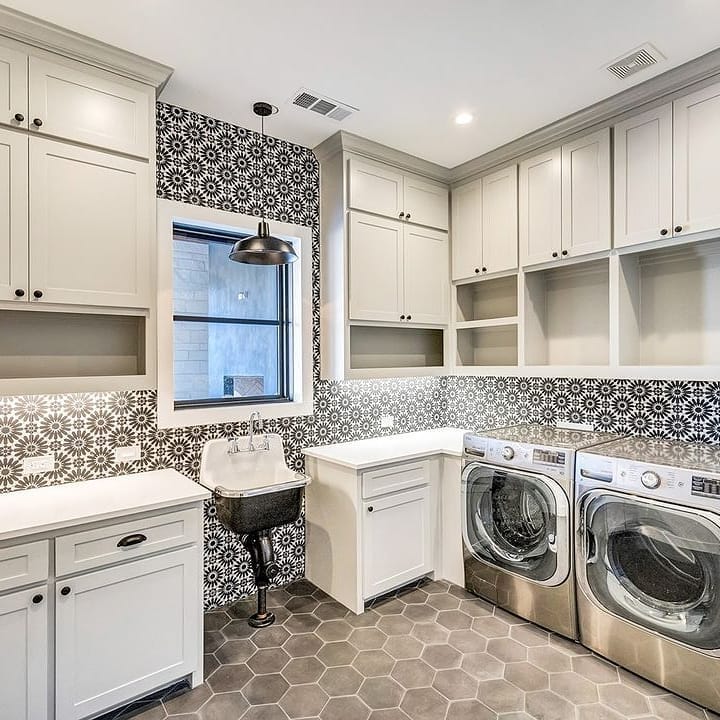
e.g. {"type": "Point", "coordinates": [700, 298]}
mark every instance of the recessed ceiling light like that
{"type": "Point", "coordinates": [463, 118]}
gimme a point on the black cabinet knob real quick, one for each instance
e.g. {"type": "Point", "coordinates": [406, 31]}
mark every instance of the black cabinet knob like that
{"type": "Point", "coordinates": [38, 294]}
{"type": "Point", "coordinates": [407, 217]}
{"type": "Point", "coordinates": [477, 270]}
{"type": "Point", "coordinates": [37, 599]}
{"type": "Point", "coordinates": [664, 231]}
{"type": "Point", "coordinates": [402, 317]}
{"type": "Point", "coordinates": [65, 590]}
{"type": "Point", "coordinates": [370, 508]}
{"type": "Point", "coordinates": [37, 122]}
{"type": "Point", "coordinates": [19, 117]}
{"type": "Point", "coordinates": [678, 228]}
{"type": "Point", "coordinates": [402, 215]}
{"type": "Point", "coordinates": [409, 317]}
{"type": "Point", "coordinates": [19, 293]}
{"type": "Point", "coordinates": [564, 252]}
{"type": "Point", "coordinates": [484, 269]}
{"type": "Point", "coordinates": [555, 254]}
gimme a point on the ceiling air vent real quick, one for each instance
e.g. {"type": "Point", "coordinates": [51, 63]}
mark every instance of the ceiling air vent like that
{"type": "Point", "coordinates": [322, 105]}
{"type": "Point", "coordinates": [636, 61]}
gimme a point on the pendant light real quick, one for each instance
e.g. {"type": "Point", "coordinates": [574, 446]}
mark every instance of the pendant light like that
{"type": "Point", "coordinates": [263, 248]}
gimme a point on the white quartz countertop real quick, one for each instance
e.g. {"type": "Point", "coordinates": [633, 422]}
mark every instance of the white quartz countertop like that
{"type": "Point", "coordinates": [37, 510]}
{"type": "Point", "coordinates": [362, 454]}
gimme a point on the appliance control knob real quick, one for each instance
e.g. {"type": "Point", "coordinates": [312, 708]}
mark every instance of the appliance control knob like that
{"type": "Point", "coordinates": [650, 480]}
{"type": "Point", "coordinates": [508, 453]}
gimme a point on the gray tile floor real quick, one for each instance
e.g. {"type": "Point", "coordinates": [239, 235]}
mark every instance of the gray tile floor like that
{"type": "Point", "coordinates": [430, 653]}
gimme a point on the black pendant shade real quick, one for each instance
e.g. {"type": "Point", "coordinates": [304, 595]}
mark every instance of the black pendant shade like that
{"type": "Point", "coordinates": [263, 248]}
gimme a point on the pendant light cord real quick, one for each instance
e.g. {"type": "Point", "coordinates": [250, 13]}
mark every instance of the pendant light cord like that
{"type": "Point", "coordinates": [263, 163]}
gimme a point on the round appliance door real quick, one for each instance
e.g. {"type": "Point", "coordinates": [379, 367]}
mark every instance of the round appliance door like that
{"type": "Point", "coordinates": [655, 565]}
{"type": "Point", "coordinates": [514, 520]}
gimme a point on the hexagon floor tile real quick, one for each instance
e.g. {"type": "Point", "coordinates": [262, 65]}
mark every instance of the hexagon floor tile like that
{"type": "Point", "coordinates": [428, 652]}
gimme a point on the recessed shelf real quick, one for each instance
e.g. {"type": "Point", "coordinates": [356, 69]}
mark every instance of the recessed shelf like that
{"type": "Point", "coordinates": [487, 299]}
{"type": "Point", "coordinates": [669, 310]}
{"type": "Point", "coordinates": [392, 347]}
{"type": "Point", "coordinates": [492, 345]}
{"type": "Point", "coordinates": [567, 315]}
{"type": "Point", "coordinates": [491, 322]}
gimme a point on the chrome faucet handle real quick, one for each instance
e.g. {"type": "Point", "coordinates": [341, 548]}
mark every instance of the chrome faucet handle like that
{"type": "Point", "coordinates": [232, 446]}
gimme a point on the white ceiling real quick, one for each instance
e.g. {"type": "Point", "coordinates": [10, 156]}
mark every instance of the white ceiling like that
{"type": "Point", "coordinates": [409, 65]}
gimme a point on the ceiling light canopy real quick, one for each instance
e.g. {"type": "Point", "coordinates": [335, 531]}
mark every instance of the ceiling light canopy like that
{"type": "Point", "coordinates": [463, 118]}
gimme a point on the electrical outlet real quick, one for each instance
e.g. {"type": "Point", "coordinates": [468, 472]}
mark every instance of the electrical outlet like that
{"type": "Point", "coordinates": [387, 421]}
{"type": "Point", "coordinates": [38, 464]}
{"type": "Point", "coordinates": [129, 453]}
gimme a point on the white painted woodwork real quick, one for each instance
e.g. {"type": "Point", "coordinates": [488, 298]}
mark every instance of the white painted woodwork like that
{"type": "Point", "coordinates": [696, 161]}
{"type": "Point", "coordinates": [377, 348]}
{"type": "Point", "coordinates": [425, 202]}
{"type": "Point", "coordinates": [24, 656]}
{"type": "Point", "coordinates": [397, 541]}
{"type": "Point", "coordinates": [491, 299]}
{"type": "Point", "coordinates": [89, 106]}
{"type": "Point", "coordinates": [82, 551]}
{"type": "Point", "coordinates": [89, 226]}
{"type": "Point", "coordinates": [375, 274]}
{"type": "Point", "coordinates": [426, 274]}
{"type": "Point", "coordinates": [24, 564]}
{"type": "Point", "coordinates": [392, 479]}
{"type": "Point", "coordinates": [13, 87]}
{"type": "Point", "coordinates": [13, 215]}
{"type": "Point", "coordinates": [540, 208]}
{"type": "Point", "coordinates": [375, 188]}
{"type": "Point", "coordinates": [124, 631]}
{"type": "Point", "coordinates": [500, 220]}
{"type": "Point", "coordinates": [467, 221]}
{"type": "Point", "coordinates": [643, 177]}
{"type": "Point", "coordinates": [494, 345]}
{"type": "Point", "coordinates": [586, 223]}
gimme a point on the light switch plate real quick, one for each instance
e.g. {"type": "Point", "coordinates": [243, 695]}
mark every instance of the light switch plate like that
{"type": "Point", "coordinates": [38, 464]}
{"type": "Point", "coordinates": [128, 453]}
{"type": "Point", "coordinates": [387, 421]}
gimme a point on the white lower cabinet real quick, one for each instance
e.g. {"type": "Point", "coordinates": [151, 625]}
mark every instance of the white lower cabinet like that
{"type": "Point", "coordinates": [396, 540]}
{"type": "Point", "coordinates": [137, 622]}
{"type": "Point", "coordinates": [24, 654]}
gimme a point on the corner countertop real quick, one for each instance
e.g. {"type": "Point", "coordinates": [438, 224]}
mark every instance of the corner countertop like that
{"type": "Point", "coordinates": [362, 454]}
{"type": "Point", "coordinates": [38, 510]}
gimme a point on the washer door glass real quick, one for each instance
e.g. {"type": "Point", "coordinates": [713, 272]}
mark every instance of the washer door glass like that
{"type": "Point", "coordinates": [656, 566]}
{"type": "Point", "coordinates": [510, 520]}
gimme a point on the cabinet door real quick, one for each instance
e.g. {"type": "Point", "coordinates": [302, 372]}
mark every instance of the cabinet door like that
{"type": "Point", "coordinates": [13, 216]}
{"type": "Point", "coordinates": [586, 195]}
{"type": "Point", "coordinates": [425, 202]}
{"type": "Point", "coordinates": [500, 220]}
{"type": "Point", "coordinates": [375, 274]}
{"type": "Point", "coordinates": [426, 275]}
{"type": "Point", "coordinates": [375, 188]}
{"type": "Point", "coordinates": [13, 87]}
{"type": "Point", "coordinates": [540, 208]}
{"type": "Point", "coordinates": [696, 160]}
{"type": "Point", "coordinates": [89, 107]}
{"type": "Point", "coordinates": [24, 656]}
{"type": "Point", "coordinates": [397, 540]}
{"type": "Point", "coordinates": [643, 183]}
{"type": "Point", "coordinates": [125, 631]}
{"type": "Point", "coordinates": [89, 226]}
{"type": "Point", "coordinates": [467, 230]}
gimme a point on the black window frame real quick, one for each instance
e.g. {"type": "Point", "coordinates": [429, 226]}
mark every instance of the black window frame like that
{"type": "Point", "coordinates": [283, 323]}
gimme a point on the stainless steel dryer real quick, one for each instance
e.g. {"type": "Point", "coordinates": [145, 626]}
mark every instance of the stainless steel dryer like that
{"type": "Point", "coordinates": [648, 561]}
{"type": "Point", "coordinates": [517, 520]}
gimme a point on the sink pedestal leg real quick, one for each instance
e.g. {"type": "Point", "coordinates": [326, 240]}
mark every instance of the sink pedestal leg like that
{"type": "Point", "coordinates": [262, 557]}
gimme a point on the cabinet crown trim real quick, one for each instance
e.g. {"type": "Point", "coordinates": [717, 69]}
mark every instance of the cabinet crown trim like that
{"type": "Point", "coordinates": [53, 38]}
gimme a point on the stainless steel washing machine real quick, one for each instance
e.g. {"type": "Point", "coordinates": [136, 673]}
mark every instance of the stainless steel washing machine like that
{"type": "Point", "coordinates": [517, 520]}
{"type": "Point", "coordinates": [648, 561]}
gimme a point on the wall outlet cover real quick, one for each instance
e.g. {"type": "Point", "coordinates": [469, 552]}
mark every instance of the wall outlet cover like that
{"type": "Point", "coordinates": [128, 453]}
{"type": "Point", "coordinates": [387, 421]}
{"type": "Point", "coordinates": [38, 464]}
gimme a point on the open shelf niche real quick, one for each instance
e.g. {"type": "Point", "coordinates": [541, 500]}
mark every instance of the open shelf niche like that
{"type": "Point", "coordinates": [374, 347]}
{"type": "Point", "coordinates": [487, 300]}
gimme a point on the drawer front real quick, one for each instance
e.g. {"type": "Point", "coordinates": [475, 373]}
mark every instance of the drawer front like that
{"type": "Point", "coordinates": [124, 541]}
{"type": "Point", "coordinates": [391, 479]}
{"type": "Point", "coordinates": [23, 564]}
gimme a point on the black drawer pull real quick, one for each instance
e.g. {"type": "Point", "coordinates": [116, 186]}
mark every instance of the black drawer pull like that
{"type": "Point", "coordinates": [134, 539]}
{"type": "Point", "coordinates": [37, 599]}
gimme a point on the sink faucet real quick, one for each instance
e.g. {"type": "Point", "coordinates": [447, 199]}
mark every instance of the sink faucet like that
{"type": "Point", "coordinates": [254, 417]}
{"type": "Point", "coordinates": [233, 444]}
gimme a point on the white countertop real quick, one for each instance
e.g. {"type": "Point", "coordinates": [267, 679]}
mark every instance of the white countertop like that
{"type": "Point", "coordinates": [361, 454]}
{"type": "Point", "coordinates": [37, 510]}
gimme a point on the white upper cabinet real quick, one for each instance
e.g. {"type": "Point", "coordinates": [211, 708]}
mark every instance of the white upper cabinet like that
{"type": "Point", "coordinates": [586, 221]}
{"type": "Point", "coordinates": [383, 190]}
{"type": "Point", "coordinates": [426, 273]}
{"type": "Point", "coordinates": [13, 216]}
{"type": "Point", "coordinates": [696, 161]}
{"type": "Point", "coordinates": [500, 221]}
{"type": "Point", "coordinates": [643, 179]}
{"type": "Point", "coordinates": [540, 208]}
{"type": "Point", "coordinates": [425, 202]}
{"type": "Point", "coordinates": [88, 107]}
{"type": "Point", "coordinates": [13, 88]}
{"type": "Point", "coordinates": [89, 226]}
{"type": "Point", "coordinates": [467, 230]}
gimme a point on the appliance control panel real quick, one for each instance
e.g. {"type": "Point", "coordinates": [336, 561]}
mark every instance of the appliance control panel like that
{"type": "Point", "coordinates": [664, 482]}
{"type": "Point", "coordinates": [518, 455]}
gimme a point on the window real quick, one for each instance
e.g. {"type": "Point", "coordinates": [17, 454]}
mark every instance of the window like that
{"type": "Point", "coordinates": [232, 324]}
{"type": "Point", "coordinates": [232, 338]}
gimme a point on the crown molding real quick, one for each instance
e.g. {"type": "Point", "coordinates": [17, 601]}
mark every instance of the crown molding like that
{"type": "Point", "coordinates": [53, 38]}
